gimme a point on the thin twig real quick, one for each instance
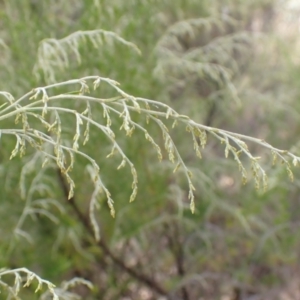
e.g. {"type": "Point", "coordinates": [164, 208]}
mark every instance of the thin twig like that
{"type": "Point", "coordinates": [177, 251]}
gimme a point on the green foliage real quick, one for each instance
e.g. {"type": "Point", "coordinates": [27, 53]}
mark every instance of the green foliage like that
{"type": "Point", "coordinates": [72, 136]}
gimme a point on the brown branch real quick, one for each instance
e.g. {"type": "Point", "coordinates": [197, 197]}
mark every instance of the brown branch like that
{"type": "Point", "coordinates": [176, 249]}
{"type": "Point", "coordinates": [116, 260]}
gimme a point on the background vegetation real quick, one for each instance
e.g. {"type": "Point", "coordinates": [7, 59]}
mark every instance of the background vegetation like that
{"type": "Point", "coordinates": [226, 64]}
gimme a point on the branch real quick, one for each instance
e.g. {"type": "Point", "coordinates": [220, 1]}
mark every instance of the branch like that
{"type": "Point", "coordinates": [176, 249]}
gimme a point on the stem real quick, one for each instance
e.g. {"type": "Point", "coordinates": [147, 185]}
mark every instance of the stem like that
{"type": "Point", "coordinates": [176, 248]}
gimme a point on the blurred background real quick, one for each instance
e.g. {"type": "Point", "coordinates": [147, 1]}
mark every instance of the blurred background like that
{"type": "Point", "coordinates": [232, 64]}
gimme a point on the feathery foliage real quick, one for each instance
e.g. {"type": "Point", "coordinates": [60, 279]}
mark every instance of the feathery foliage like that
{"type": "Point", "coordinates": [68, 147]}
